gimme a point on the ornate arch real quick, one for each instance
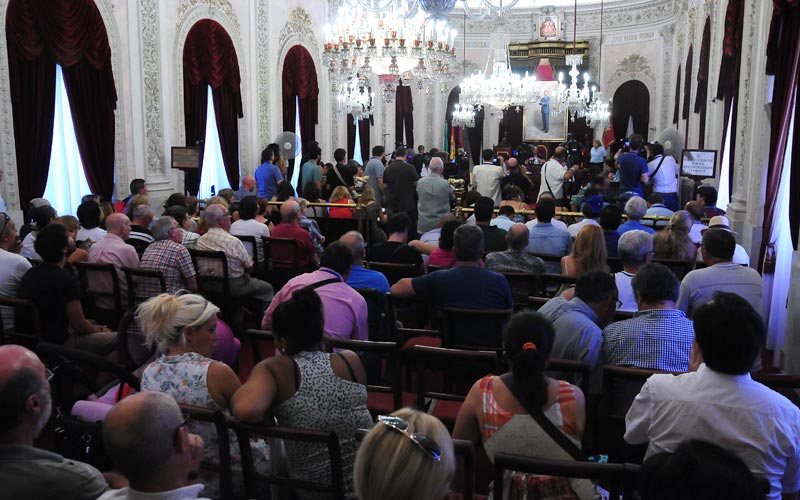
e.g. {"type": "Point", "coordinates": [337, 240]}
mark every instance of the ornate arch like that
{"type": "Point", "coordinates": [635, 67]}
{"type": "Point", "coordinates": [221, 11]}
{"type": "Point", "coordinates": [9, 156]}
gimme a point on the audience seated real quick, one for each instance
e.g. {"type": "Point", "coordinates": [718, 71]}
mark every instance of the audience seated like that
{"type": "Point", "coordinates": [249, 188]}
{"type": "Point", "coordinates": [185, 222]}
{"type": "Point", "coordinates": [290, 228]}
{"type": "Point", "coordinates": [13, 266]}
{"type": "Point", "coordinates": [635, 208]}
{"type": "Point", "coordinates": [467, 285]}
{"type": "Point", "coordinates": [515, 198]}
{"type": "Point", "coordinates": [240, 262]}
{"type": "Point", "coordinates": [167, 255]}
{"type": "Point", "coordinates": [635, 250]}
{"type": "Point", "coordinates": [591, 209]}
{"type": "Point", "coordinates": [40, 217]}
{"type": "Point", "coordinates": [443, 255]}
{"type": "Point", "coordinates": [695, 209]}
{"type": "Point", "coordinates": [610, 220]}
{"type": "Point", "coordinates": [545, 237]}
{"type": "Point", "coordinates": [497, 408]}
{"type": "Point", "coordinates": [596, 185]}
{"type": "Point", "coordinates": [145, 435]}
{"type": "Point", "coordinates": [359, 277]}
{"type": "Point", "coordinates": [135, 201]}
{"type": "Point", "coordinates": [183, 331]}
{"type": "Point", "coordinates": [435, 196]}
{"type": "Point", "coordinates": [718, 400]}
{"type": "Point", "coordinates": [341, 196]}
{"type": "Point", "coordinates": [25, 471]}
{"type": "Point", "coordinates": [674, 242]}
{"type": "Point", "coordinates": [707, 195]}
{"type": "Point", "coordinates": [395, 250]}
{"type": "Point", "coordinates": [408, 454]}
{"type": "Point", "coordinates": [516, 259]}
{"type": "Point", "coordinates": [504, 219]}
{"type": "Point", "coordinates": [588, 253]}
{"type": "Point", "coordinates": [494, 238]}
{"type": "Point", "coordinates": [247, 225]}
{"type": "Point", "coordinates": [140, 235]}
{"type": "Point", "coordinates": [722, 274]}
{"type": "Point", "coordinates": [660, 336]}
{"type": "Point", "coordinates": [740, 254]}
{"type": "Point", "coordinates": [307, 388]}
{"type": "Point", "coordinates": [554, 221]}
{"type": "Point", "coordinates": [90, 218]}
{"type": "Point", "coordinates": [656, 208]}
{"type": "Point", "coordinates": [113, 250]}
{"type": "Point", "coordinates": [312, 227]}
{"type": "Point", "coordinates": [56, 295]}
{"type": "Point", "coordinates": [74, 254]}
{"type": "Point", "coordinates": [697, 470]}
{"type": "Point", "coordinates": [345, 310]}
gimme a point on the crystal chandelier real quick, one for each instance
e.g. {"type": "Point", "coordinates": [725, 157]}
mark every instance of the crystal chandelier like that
{"type": "Point", "coordinates": [355, 98]}
{"type": "Point", "coordinates": [463, 116]}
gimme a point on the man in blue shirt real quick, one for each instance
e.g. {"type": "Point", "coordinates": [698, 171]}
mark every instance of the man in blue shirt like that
{"type": "Point", "coordinates": [374, 170]}
{"type": "Point", "coordinates": [545, 238]}
{"type": "Point", "coordinates": [633, 169]}
{"type": "Point", "coordinates": [635, 209]}
{"type": "Point", "coordinates": [310, 172]}
{"type": "Point", "coordinates": [268, 175]}
{"type": "Point", "coordinates": [360, 277]}
{"type": "Point", "coordinates": [544, 102]}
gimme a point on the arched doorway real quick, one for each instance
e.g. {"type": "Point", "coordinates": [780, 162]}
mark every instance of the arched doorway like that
{"type": "Point", "coordinates": [631, 103]}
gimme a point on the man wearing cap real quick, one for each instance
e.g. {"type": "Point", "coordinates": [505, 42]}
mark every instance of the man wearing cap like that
{"type": "Point", "coordinates": [591, 209]}
{"type": "Point", "coordinates": [740, 254]}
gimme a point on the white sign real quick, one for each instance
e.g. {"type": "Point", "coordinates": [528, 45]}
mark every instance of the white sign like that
{"type": "Point", "coordinates": [699, 162]}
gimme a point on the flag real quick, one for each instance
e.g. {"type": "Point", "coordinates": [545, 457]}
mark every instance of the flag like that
{"type": "Point", "coordinates": [452, 143]}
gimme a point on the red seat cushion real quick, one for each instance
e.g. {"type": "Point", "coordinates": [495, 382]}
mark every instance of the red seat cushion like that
{"type": "Point", "coordinates": [382, 403]}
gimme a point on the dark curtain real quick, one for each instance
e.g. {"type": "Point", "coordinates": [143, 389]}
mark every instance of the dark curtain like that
{"type": "Point", "coordinates": [701, 100]}
{"type": "Point", "coordinates": [632, 99]}
{"type": "Point", "coordinates": [475, 137]}
{"type": "Point", "coordinates": [676, 114]}
{"type": "Point", "coordinates": [511, 126]}
{"type": "Point", "coordinates": [687, 93]}
{"type": "Point", "coordinates": [783, 61]}
{"type": "Point", "coordinates": [582, 132]}
{"type": "Point", "coordinates": [41, 34]}
{"type": "Point", "coordinates": [363, 135]}
{"type": "Point", "coordinates": [728, 85]}
{"type": "Point", "coordinates": [404, 116]}
{"type": "Point", "coordinates": [209, 58]}
{"type": "Point", "coordinates": [300, 82]}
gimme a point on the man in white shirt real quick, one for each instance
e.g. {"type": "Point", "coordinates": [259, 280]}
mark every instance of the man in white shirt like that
{"type": "Point", "coordinates": [635, 251]}
{"type": "Point", "coordinates": [13, 266]}
{"type": "Point", "coordinates": [739, 254]}
{"type": "Point", "coordinates": [247, 225]}
{"type": "Point", "coordinates": [486, 178]}
{"type": "Point", "coordinates": [717, 400]}
{"type": "Point", "coordinates": [664, 172]}
{"type": "Point", "coordinates": [554, 173]}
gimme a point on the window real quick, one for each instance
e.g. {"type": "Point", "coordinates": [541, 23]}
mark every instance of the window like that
{"type": "Point", "coordinates": [213, 177]}
{"type": "Point", "coordinates": [357, 149]}
{"type": "Point", "coordinates": [723, 193]}
{"type": "Point", "coordinates": [299, 156]}
{"type": "Point", "coordinates": [66, 180]}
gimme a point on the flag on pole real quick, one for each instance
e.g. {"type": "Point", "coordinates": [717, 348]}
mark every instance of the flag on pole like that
{"type": "Point", "coordinates": [452, 143]}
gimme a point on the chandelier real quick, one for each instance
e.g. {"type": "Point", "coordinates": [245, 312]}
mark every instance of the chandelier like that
{"type": "Point", "coordinates": [355, 98]}
{"type": "Point", "coordinates": [463, 116]}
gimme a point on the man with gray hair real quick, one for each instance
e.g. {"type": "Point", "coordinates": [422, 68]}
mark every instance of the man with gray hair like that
{"type": "Point", "coordinates": [635, 249]}
{"type": "Point", "coordinates": [435, 196]}
{"type": "Point", "coordinates": [290, 228]}
{"type": "Point", "coordinates": [240, 263]}
{"type": "Point", "coordinates": [516, 259]}
{"type": "Point", "coordinates": [146, 436]}
{"type": "Point", "coordinates": [26, 471]}
{"type": "Point", "coordinates": [170, 257]}
{"type": "Point", "coordinates": [360, 277]}
{"type": "Point", "coordinates": [140, 235]}
{"type": "Point", "coordinates": [467, 285]}
{"type": "Point", "coordinates": [635, 208]}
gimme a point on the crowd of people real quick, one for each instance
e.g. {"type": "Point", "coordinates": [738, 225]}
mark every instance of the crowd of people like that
{"type": "Point", "coordinates": [626, 307]}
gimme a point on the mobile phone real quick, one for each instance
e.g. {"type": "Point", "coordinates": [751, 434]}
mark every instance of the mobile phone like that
{"type": "Point", "coordinates": [627, 144]}
{"type": "Point", "coordinates": [410, 157]}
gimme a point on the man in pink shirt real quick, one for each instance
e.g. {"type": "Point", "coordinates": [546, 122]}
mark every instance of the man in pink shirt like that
{"type": "Point", "coordinates": [113, 250]}
{"type": "Point", "coordinates": [345, 310]}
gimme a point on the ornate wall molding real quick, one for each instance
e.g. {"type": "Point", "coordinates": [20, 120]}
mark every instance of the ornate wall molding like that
{"type": "Point", "coordinates": [223, 6]}
{"type": "Point", "coordinates": [151, 82]}
{"type": "Point", "coordinates": [299, 25]}
{"type": "Point", "coordinates": [636, 67]}
{"type": "Point", "coordinates": [264, 101]}
{"type": "Point", "coordinates": [667, 33]}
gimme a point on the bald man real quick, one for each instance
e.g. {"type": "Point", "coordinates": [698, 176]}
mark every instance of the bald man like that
{"type": "Point", "coordinates": [113, 250]}
{"type": "Point", "coordinates": [516, 259]}
{"type": "Point", "coordinates": [150, 445]}
{"type": "Point", "coordinates": [290, 228]}
{"type": "Point", "coordinates": [249, 186]}
{"type": "Point", "coordinates": [25, 404]}
{"type": "Point", "coordinates": [435, 196]}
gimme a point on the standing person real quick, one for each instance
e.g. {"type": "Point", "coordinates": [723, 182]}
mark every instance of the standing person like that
{"type": "Point", "coordinates": [400, 179]}
{"type": "Point", "coordinates": [340, 174]}
{"type": "Point", "coordinates": [633, 169]}
{"type": "Point", "coordinates": [544, 102]}
{"type": "Point", "coordinates": [486, 178]}
{"type": "Point", "coordinates": [435, 195]}
{"type": "Point", "coordinates": [268, 175]}
{"type": "Point", "coordinates": [663, 172]}
{"type": "Point", "coordinates": [554, 173]}
{"type": "Point", "coordinates": [138, 186]}
{"type": "Point", "coordinates": [374, 169]}
{"type": "Point", "coordinates": [597, 157]}
{"type": "Point", "coordinates": [310, 172]}
{"type": "Point", "coordinates": [517, 176]}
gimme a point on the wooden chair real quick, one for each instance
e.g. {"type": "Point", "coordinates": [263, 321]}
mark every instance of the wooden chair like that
{"type": "Point", "coordinates": [552, 282]}
{"type": "Point", "coordinates": [282, 256]}
{"type": "Point", "coordinates": [335, 489]}
{"type": "Point", "coordinates": [523, 285]}
{"type": "Point", "coordinates": [621, 478]}
{"type": "Point", "coordinates": [679, 267]}
{"type": "Point", "coordinates": [223, 468]}
{"type": "Point", "coordinates": [411, 312]}
{"type": "Point", "coordinates": [473, 328]}
{"type": "Point", "coordinates": [27, 327]}
{"type": "Point", "coordinates": [138, 279]}
{"type": "Point", "coordinates": [394, 272]}
{"type": "Point", "coordinates": [577, 370]}
{"type": "Point", "coordinates": [333, 229]}
{"type": "Point", "coordinates": [431, 269]}
{"type": "Point", "coordinates": [258, 339]}
{"type": "Point", "coordinates": [537, 302]}
{"type": "Point", "coordinates": [377, 318]}
{"type": "Point", "coordinates": [249, 242]}
{"type": "Point", "coordinates": [623, 315]}
{"type": "Point", "coordinates": [213, 280]}
{"type": "Point", "coordinates": [131, 350]}
{"type": "Point", "coordinates": [101, 297]}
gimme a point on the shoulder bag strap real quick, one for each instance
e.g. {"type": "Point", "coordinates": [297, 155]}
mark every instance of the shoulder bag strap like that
{"type": "Point", "coordinates": [549, 427]}
{"type": "Point", "coordinates": [653, 175]}
{"type": "Point", "coordinates": [336, 171]}
{"type": "Point", "coordinates": [546, 181]}
{"type": "Point", "coordinates": [319, 284]}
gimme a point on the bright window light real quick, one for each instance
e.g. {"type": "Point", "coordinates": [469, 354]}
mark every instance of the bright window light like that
{"type": "Point", "coordinates": [723, 193]}
{"type": "Point", "coordinates": [214, 176]}
{"type": "Point", "coordinates": [299, 156]}
{"type": "Point", "coordinates": [66, 180]}
{"type": "Point", "coordinates": [357, 153]}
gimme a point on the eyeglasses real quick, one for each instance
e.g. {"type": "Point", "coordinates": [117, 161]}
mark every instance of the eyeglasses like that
{"type": "Point", "coordinates": [178, 429]}
{"type": "Point", "coordinates": [619, 303]}
{"type": "Point", "coordinates": [49, 375]}
{"type": "Point", "coordinates": [426, 443]}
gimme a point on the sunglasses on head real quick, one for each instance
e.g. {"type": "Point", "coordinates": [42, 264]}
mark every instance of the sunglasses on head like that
{"type": "Point", "coordinates": [426, 443]}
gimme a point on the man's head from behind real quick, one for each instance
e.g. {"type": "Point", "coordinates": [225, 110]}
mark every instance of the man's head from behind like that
{"type": "Point", "coordinates": [468, 243]}
{"type": "Point", "coordinates": [398, 224]}
{"type": "Point", "coordinates": [51, 243]}
{"type": "Point", "coordinates": [138, 186]}
{"type": "Point", "coordinates": [355, 241]}
{"type": "Point", "coordinates": [487, 155]}
{"type": "Point", "coordinates": [146, 437]}
{"type": "Point", "coordinates": [436, 166]}
{"type": "Point", "coordinates": [142, 215]}
{"type": "Point", "coordinates": [635, 208]}
{"type": "Point", "coordinates": [517, 237]}
{"type": "Point", "coordinates": [599, 290]}
{"type": "Point", "coordinates": [637, 142]}
{"type": "Point", "coordinates": [339, 257]}
{"type": "Point", "coordinates": [340, 155]}
{"type": "Point", "coordinates": [545, 208]}
{"type": "Point", "coordinates": [290, 212]}
{"type": "Point", "coordinates": [707, 195]}
{"type": "Point", "coordinates": [25, 395]}
{"type": "Point", "coordinates": [729, 333]}
{"type": "Point", "coordinates": [655, 284]}
{"type": "Point", "coordinates": [635, 248]}
{"type": "Point", "coordinates": [695, 208]}
{"type": "Point", "coordinates": [120, 225]}
{"type": "Point", "coordinates": [484, 208]}
{"type": "Point", "coordinates": [718, 245]}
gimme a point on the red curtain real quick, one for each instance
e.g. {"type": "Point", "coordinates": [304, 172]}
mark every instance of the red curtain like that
{"type": "Point", "coordinates": [300, 82]}
{"type": "Point", "coordinates": [687, 93]}
{"type": "Point", "coordinates": [701, 100]}
{"type": "Point", "coordinates": [209, 58]}
{"type": "Point", "coordinates": [41, 34]}
{"type": "Point", "coordinates": [783, 61]}
{"type": "Point", "coordinates": [363, 137]}
{"type": "Point", "coordinates": [728, 84]}
{"type": "Point", "coordinates": [404, 115]}
{"type": "Point", "coordinates": [677, 113]}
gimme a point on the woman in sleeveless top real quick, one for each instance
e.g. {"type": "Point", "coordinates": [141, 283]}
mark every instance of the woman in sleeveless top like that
{"type": "Point", "coordinates": [183, 328]}
{"type": "Point", "coordinates": [588, 253]}
{"type": "Point", "coordinates": [308, 388]}
{"type": "Point", "coordinates": [493, 414]}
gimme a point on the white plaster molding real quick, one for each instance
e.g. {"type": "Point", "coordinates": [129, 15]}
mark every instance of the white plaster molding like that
{"type": "Point", "coordinates": [666, 73]}
{"type": "Point", "coordinates": [151, 85]}
{"type": "Point", "coordinates": [636, 67]}
{"type": "Point", "coordinates": [264, 100]}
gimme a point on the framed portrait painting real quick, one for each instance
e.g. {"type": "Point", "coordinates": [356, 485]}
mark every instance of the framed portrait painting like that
{"type": "Point", "coordinates": [548, 27]}
{"type": "Point", "coordinates": [540, 123]}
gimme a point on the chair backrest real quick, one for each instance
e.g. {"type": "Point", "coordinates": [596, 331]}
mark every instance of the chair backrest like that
{"type": "Point", "coordinates": [473, 328]}
{"type": "Point", "coordinates": [131, 348]}
{"type": "Point", "coordinates": [211, 267]}
{"type": "Point", "coordinates": [281, 252]}
{"type": "Point", "coordinates": [249, 242]}
{"type": "Point", "coordinates": [143, 284]}
{"type": "Point", "coordinates": [554, 281]}
{"type": "Point", "coordinates": [578, 370]}
{"type": "Point", "coordinates": [547, 257]}
{"type": "Point", "coordinates": [27, 327]}
{"type": "Point", "coordinates": [333, 228]}
{"type": "Point", "coordinates": [334, 490]}
{"type": "Point", "coordinates": [223, 468]}
{"type": "Point", "coordinates": [523, 285]}
{"type": "Point", "coordinates": [620, 478]}
{"type": "Point", "coordinates": [257, 340]}
{"type": "Point", "coordinates": [394, 272]}
{"type": "Point", "coordinates": [431, 269]}
{"type": "Point", "coordinates": [679, 267]}
{"type": "Point", "coordinates": [376, 313]}
{"type": "Point", "coordinates": [100, 292]}
{"type": "Point", "coordinates": [536, 302]}
{"type": "Point", "coordinates": [777, 381]}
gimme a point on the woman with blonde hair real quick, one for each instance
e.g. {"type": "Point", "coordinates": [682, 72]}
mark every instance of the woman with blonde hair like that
{"type": "Point", "coordinates": [588, 253]}
{"type": "Point", "coordinates": [674, 242]}
{"type": "Point", "coordinates": [135, 201]}
{"type": "Point", "coordinates": [341, 196]}
{"type": "Point", "coordinates": [408, 454]}
{"type": "Point", "coordinates": [373, 213]}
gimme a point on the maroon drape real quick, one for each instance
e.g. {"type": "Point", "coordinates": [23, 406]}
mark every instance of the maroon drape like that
{"type": "Point", "coordinates": [363, 136]}
{"type": "Point", "coordinates": [728, 85]}
{"type": "Point", "coordinates": [511, 126]}
{"type": "Point", "coordinates": [209, 58]}
{"type": "Point", "coordinates": [783, 61]}
{"type": "Point", "coordinates": [300, 82]}
{"type": "Point", "coordinates": [677, 113]}
{"type": "Point", "coordinates": [475, 137]}
{"type": "Point", "coordinates": [687, 93]}
{"type": "Point", "coordinates": [701, 100]}
{"type": "Point", "coordinates": [41, 34]}
{"type": "Point", "coordinates": [404, 115]}
{"type": "Point", "coordinates": [632, 99]}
